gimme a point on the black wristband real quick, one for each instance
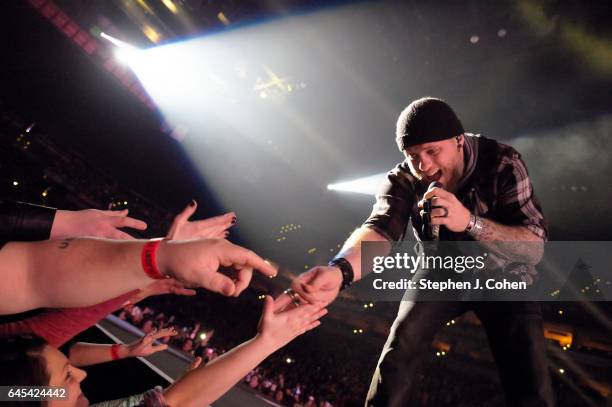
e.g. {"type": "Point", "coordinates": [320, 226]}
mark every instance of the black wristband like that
{"type": "Point", "coordinates": [346, 269]}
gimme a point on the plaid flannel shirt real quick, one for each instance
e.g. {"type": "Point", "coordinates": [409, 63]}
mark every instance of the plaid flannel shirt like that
{"type": "Point", "coordinates": [495, 185]}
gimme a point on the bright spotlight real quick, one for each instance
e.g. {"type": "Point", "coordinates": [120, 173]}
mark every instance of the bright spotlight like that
{"type": "Point", "coordinates": [125, 55]}
{"type": "Point", "coordinates": [368, 185]}
{"type": "Point", "coordinates": [124, 52]}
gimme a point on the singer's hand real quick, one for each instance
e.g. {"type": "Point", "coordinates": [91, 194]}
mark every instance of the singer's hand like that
{"type": "Point", "coordinates": [449, 211]}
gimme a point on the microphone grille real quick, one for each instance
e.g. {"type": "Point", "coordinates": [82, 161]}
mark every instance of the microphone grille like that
{"type": "Point", "coordinates": [435, 184]}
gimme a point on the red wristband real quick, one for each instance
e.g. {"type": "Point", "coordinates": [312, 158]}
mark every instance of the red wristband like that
{"type": "Point", "coordinates": [114, 350]}
{"type": "Point", "coordinates": [148, 258]}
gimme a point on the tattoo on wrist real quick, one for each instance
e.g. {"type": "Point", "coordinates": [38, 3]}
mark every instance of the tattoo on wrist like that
{"type": "Point", "coordinates": [510, 243]}
{"type": "Point", "coordinates": [66, 242]}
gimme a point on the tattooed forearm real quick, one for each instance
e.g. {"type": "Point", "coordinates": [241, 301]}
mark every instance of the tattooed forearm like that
{"type": "Point", "coordinates": [66, 242]}
{"type": "Point", "coordinates": [515, 243]}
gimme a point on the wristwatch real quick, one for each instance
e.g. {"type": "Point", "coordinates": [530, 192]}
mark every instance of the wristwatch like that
{"type": "Point", "coordinates": [475, 226]}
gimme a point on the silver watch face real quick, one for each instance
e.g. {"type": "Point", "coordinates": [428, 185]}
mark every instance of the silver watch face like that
{"type": "Point", "coordinates": [478, 225]}
{"type": "Point", "coordinates": [475, 227]}
{"type": "Point", "coordinates": [471, 223]}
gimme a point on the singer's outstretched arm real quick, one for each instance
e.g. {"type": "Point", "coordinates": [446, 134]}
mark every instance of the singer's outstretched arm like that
{"type": "Point", "coordinates": [351, 250]}
{"type": "Point", "coordinates": [321, 284]}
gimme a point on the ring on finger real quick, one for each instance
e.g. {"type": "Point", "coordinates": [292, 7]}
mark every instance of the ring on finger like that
{"type": "Point", "coordinates": [445, 211]}
{"type": "Point", "coordinates": [295, 297]}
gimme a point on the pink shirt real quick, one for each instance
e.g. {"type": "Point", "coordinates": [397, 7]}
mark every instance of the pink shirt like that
{"type": "Point", "coordinates": [58, 326]}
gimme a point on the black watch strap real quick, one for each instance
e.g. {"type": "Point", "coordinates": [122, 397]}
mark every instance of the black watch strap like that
{"type": "Point", "coordinates": [346, 269]}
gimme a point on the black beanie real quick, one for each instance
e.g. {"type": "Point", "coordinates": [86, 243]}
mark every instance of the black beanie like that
{"type": "Point", "coordinates": [425, 120]}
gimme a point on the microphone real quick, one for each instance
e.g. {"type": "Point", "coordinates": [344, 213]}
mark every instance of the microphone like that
{"type": "Point", "coordinates": [430, 232]}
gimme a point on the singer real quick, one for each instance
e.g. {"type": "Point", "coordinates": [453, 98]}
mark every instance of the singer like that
{"type": "Point", "coordinates": [452, 185]}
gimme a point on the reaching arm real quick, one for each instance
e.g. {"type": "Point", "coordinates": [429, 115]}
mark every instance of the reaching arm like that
{"type": "Point", "coordinates": [184, 229]}
{"type": "Point", "coordinates": [321, 284]}
{"type": "Point", "coordinates": [204, 385]}
{"type": "Point", "coordinates": [94, 223]}
{"type": "Point", "coordinates": [351, 250]}
{"type": "Point", "coordinates": [85, 354]}
{"type": "Point", "coordinates": [82, 272]}
{"type": "Point", "coordinates": [67, 273]}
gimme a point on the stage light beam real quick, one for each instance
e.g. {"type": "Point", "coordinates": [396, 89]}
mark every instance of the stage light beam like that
{"type": "Point", "coordinates": [367, 185]}
{"type": "Point", "coordinates": [117, 42]}
{"type": "Point", "coordinates": [170, 5]}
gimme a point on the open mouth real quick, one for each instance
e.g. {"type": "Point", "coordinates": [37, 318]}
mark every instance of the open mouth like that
{"type": "Point", "coordinates": [434, 177]}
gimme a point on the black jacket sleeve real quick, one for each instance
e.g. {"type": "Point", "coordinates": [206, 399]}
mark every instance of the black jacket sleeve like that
{"type": "Point", "coordinates": [25, 222]}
